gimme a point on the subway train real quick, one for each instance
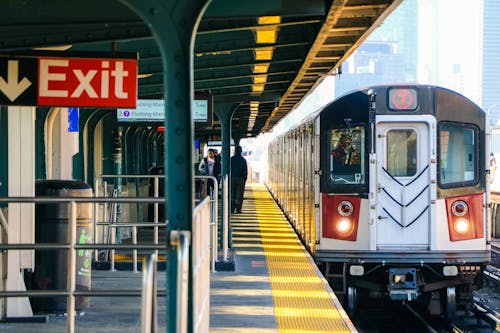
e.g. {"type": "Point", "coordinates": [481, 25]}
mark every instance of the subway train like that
{"type": "Point", "coordinates": [387, 187]}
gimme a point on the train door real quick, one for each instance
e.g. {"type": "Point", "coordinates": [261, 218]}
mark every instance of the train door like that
{"type": "Point", "coordinates": [403, 182]}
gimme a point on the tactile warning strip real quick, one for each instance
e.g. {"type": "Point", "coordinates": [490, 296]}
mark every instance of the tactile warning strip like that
{"type": "Point", "coordinates": [302, 298]}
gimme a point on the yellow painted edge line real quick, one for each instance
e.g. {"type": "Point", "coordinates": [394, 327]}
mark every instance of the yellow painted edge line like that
{"type": "Point", "coordinates": [341, 312]}
{"type": "Point", "coordinates": [334, 298]}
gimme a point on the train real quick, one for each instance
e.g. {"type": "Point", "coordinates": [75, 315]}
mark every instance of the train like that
{"type": "Point", "coordinates": [388, 189]}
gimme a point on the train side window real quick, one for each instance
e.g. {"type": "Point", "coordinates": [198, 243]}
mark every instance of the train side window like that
{"type": "Point", "coordinates": [458, 158]}
{"type": "Point", "coordinates": [347, 155]}
{"type": "Point", "coordinates": [401, 156]}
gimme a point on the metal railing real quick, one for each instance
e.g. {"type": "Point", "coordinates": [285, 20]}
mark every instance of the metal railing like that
{"type": "Point", "coordinates": [72, 246]}
{"type": "Point", "coordinates": [149, 304]}
{"type": "Point", "coordinates": [101, 182]}
{"type": "Point", "coordinates": [200, 267]}
{"type": "Point", "coordinates": [181, 239]}
{"type": "Point", "coordinates": [111, 224]}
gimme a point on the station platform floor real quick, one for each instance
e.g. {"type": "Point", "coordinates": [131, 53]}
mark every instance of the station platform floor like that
{"type": "Point", "coordinates": [276, 286]}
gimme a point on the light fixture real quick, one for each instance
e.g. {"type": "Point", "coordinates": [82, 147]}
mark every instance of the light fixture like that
{"type": "Point", "coordinates": [265, 53]}
{"type": "Point", "coordinates": [258, 88]}
{"type": "Point", "coordinates": [462, 226]}
{"type": "Point", "coordinates": [266, 36]}
{"type": "Point", "coordinates": [269, 20]}
{"type": "Point", "coordinates": [262, 78]}
{"type": "Point", "coordinates": [261, 68]}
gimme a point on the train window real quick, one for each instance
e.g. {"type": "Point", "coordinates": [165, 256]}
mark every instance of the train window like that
{"type": "Point", "coordinates": [347, 155]}
{"type": "Point", "coordinates": [401, 156]}
{"type": "Point", "coordinates": [457, 154]}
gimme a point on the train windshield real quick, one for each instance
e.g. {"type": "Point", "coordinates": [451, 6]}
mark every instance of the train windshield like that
{"type": "Point", "coordinates": [347, 155]}
{"type": "Point", "coordinates": [458, 160]}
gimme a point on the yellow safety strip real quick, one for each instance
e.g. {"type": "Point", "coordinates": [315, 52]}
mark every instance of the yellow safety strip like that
{"type": "Point", "coordinates": [303, 301]}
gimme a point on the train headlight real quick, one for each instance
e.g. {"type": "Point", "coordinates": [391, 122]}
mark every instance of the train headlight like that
{"type": "Point", "coordinates": [459, 208]}
{"type": "Point", "coordinates": [450, 270]}
{"type": "Point", "coordinates": [343, 226]}
{"type": "Point", "coordinates": [345, 208]}
{"type": "Point", "coordinates": [461, 226]}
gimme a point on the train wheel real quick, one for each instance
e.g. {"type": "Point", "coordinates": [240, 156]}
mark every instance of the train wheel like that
{"type": "Point", "coordinates": [451, 303]}
{"type": "Point", "coordinates": [351, 300]}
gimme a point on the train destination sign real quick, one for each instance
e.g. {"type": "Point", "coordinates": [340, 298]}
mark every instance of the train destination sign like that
{"type": "Point", "coordinates": [403, 99]}
{"type": "Point", "coordinates": [57, 81]}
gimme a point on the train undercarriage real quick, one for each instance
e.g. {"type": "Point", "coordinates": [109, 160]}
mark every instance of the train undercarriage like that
{"type": "Point", "coordinates": [423, 284]}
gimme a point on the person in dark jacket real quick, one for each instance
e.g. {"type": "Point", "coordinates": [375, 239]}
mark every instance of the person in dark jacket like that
{"type": "Point", "coordinates": [238, 179]}
{"type": "Point", "coordinates": [210, 166]}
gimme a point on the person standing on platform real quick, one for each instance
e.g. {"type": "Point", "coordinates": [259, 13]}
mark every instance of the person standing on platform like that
{"type": "Point", "coordinates": [210, 166]}
{"type": "Point", "coordinates": [238, 179]}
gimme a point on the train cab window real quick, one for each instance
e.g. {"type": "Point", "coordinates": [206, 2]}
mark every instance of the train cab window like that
{"type": "Point", "coordinates": [401, 159]}
{"type": "Point", "coordinates": [458, 159]}
{"type": "Point", "coordinates": [347, 155]}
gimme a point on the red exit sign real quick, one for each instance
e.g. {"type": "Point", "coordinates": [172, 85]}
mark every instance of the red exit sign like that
{"type": "Point", "coordinates": [87, 82]}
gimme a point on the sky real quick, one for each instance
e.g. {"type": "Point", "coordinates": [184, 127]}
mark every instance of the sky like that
{"type": "Point", "coordinates": [449, 55]}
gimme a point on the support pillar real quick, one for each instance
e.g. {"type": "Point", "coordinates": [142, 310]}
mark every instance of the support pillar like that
{"type": "Point", "coordinates": [224, 112]}
{"type": "Point", "coordinates": [21, 216]}
{"type": "Point", "coordinates": [117, 168]}
{"type": "Point", "coordinates": [174, 24]}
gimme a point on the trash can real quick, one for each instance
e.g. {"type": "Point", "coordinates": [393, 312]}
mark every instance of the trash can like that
{"type": "Point", "coordinates": [51, 226]}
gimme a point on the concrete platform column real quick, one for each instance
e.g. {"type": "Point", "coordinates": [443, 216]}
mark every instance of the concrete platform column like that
{"type": "Point", "coordinates": [21, 216]}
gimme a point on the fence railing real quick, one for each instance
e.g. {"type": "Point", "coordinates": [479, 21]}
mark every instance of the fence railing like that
{"type": "Point", "coordinates": [108, 222]}
{"type": "Point", "coordinates": [72, 246]}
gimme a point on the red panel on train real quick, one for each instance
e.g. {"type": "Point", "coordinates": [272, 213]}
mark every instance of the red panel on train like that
{"type": "Point", "coordinates": [466, 223]}
{"type": "Point", "coordinates": [340, 220]}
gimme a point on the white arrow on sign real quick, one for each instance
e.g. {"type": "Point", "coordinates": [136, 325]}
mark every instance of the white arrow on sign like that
{"type": "Point", "coordinates": [12, 88]}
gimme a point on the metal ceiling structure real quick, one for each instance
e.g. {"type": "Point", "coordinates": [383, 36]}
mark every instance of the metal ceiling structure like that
{"type": "Point", "coordinates": [265, 55]}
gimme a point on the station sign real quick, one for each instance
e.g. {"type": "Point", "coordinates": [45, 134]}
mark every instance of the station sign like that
{"type": "Point", "coordinates": [58, 81]}
{"type": "Point", "coordinates": [147, 110]}
{"type": "Point", "coordinates": [153, 111]}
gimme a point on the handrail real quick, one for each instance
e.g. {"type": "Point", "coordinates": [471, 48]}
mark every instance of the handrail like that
{"type": "Point", "coordinates": [71, 269]}
{"type": "Point", "coordinates": [149, 320]}
{"type": "Point", "coordinates": [4, 224]}
{"type": "Point", "coordinates": [181, 239]}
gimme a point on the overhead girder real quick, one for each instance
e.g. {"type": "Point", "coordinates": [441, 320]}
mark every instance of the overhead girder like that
{"type": "Point", "coordinates": [313, 39]}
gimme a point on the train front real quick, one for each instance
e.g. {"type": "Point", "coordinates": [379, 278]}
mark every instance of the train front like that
{"type": "Point", "coordinates": [403, 197]}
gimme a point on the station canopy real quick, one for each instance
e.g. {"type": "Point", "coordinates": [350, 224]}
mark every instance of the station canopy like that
{"type": "Point", "coordinates": [265, 55]}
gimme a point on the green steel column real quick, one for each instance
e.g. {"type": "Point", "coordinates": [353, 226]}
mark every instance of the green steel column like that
{"type": "Point", "coordinates": [224, 112]}
{"type": "Point", "coordinates": [174, 24]}
{"type": "Point", "coordinates": [117, 164]}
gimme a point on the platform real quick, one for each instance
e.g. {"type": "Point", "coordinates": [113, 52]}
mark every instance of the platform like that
{"type": "Point", "coordinates": [276, 286]}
